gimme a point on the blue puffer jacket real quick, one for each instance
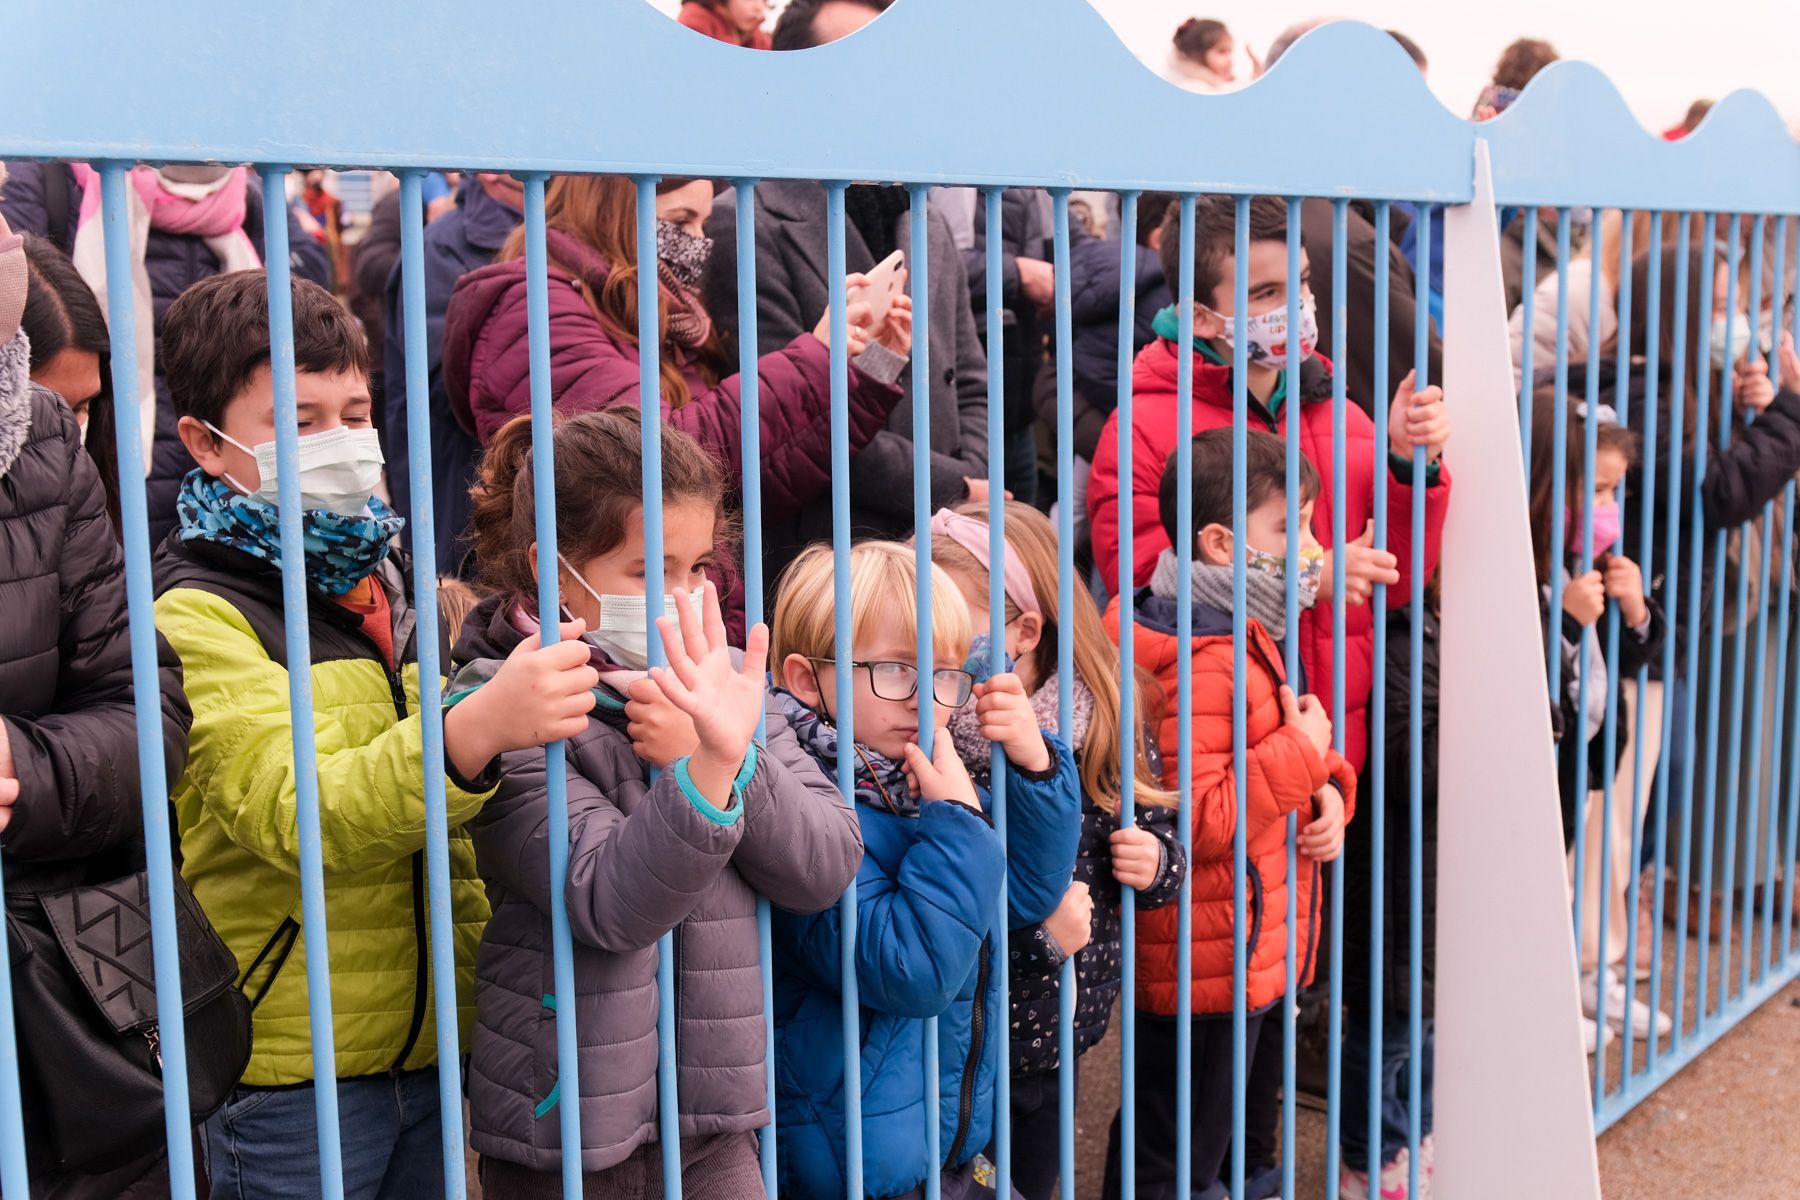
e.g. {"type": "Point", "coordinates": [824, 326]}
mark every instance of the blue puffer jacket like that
{"type": "Point", "coordinates": [927, 944]}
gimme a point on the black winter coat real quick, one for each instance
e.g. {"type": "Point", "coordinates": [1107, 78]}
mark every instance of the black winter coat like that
{"type": "Point", "coordinates": [1036, 965]}
{"type": "Point", "coordinates": [174, 263]}
{"type": "Point", "coordinates": [65, 666]}
{"type": "Point", "coordinates": [1094, 272]}
{"type": "Point", "coordinates": [1395, 805]}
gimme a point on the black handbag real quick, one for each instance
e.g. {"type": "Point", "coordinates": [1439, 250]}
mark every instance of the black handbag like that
{"type": "Point", "coordinates": [84, 1000]}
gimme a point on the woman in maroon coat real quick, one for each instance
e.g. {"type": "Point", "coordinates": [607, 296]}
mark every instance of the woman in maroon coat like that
{"type": "Point", "coordinates": [592, 243]}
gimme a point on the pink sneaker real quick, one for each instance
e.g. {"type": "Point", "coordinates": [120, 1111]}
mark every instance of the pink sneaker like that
{"type": "Point", "coordinates": [1354, 1185]}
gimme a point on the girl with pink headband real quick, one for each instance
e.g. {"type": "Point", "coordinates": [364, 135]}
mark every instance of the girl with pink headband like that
{"type": "Point", "coordinates": [1146, 855]}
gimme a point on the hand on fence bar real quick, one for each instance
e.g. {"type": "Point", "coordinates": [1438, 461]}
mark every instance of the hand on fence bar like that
{"type": "Point", "coordinates": [1008, 720]}
{"type": "Point", "coordinates": [1752, 386]}
{"type": "Point", "coordinates": [540, 694]}
{"type": "Point", "coordinates": [1323, 839]}
{"type": "Point", "coordinates": [1364, 567]}
{"type": "Point", "coordinates": [660, 732]}
{"type": "Point", "coordinates": [941, 776]}
{"type": "Point", "coordinates": [1306, 714]}
{"type": "Point", "coordinates": [1625, 586]}
{"type": "Point", "coordinates": [9, 779]}
{"type": "Point", "coordinates": [1418, 419]}
{"type": "Point", "coordinates": [1137, 856]}
{"type": "Point", "coordinates": [1072, 924]}
{"type": "Point", "coordinates": [1584, 598]}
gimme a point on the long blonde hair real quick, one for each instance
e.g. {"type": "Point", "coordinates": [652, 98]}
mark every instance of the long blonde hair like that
{"type": "Point", "coordinates": [1031, 536]}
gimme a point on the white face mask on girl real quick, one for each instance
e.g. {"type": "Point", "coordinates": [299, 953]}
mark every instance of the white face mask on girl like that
{"type": "Point", "coordinates": [623, 633]}
{"type": "Point", "coordinates": [339, 469]}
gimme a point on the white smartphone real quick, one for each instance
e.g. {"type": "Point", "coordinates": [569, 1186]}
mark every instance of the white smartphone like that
{"type": "Point", "coordinates": [887, 279]}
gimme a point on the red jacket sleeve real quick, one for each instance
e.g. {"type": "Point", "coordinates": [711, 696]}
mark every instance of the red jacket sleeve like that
{"type": "Point", "coordinates": [1147, 537]}
{"type": "Point", "coordinates": [1400, 528]}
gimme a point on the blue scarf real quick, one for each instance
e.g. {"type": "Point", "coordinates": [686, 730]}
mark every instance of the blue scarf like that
{"type": "Point", "coordinates": [339, 551]}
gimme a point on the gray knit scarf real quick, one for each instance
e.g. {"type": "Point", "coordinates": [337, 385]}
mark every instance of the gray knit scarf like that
{"type": "Point", "coordinates": [1265, 597]}
{"type": "Point", "coordinates": [15, 399]}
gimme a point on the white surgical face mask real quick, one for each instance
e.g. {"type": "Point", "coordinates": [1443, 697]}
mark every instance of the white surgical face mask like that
{"type": "Point", "coordinates": [339, 469]}
{"type": "Point", "coordinates": [623, 633]}
{"type": "Point", "coordinates": [1739, 344]}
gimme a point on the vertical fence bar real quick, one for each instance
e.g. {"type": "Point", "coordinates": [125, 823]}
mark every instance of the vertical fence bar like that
{"type": "Point", "coordinates": [1777, 302]}
{"type": "Point", "coordinates": [1759, 671]}
{"type": "Point", "coordinates": [1527, 307]}
{"type": "Point", "coordinates": [1792, 803]}
{"type": "Point", "coordinates": [1340, 334]}
{"type": "Point", "coordinates": [1377, 799]}
{"type": "Point", "coordinates": [1184, 692]}
{"type": "Point", "coordinates": [1615, 690]}
{"type": "Point", "coordinates": [431, 686]}
{"type": "Point", "coordinates": [1065, 656]}
{"type": "Point", "coordinates": [994, 203]}
{"type": "Point", "coordinates": [1558, 452]}
{"type": "Point", "coordinates": [567, 1089]}
{"type": "Point", "coordinates": [920, 286]}
{"type": "Point", "coordinates": [1740, 636]}
{"type": "Point", "coordinates": [1671, 585]}
{"type": "Point", "coordinates": [1415, 744]}
{"type": "Point", "coordinates": [146, 690]}
{"type": "Point", "coordinates": [668, 1101]}
{"type": "Point", "coordinates": [1128, 202]}
{"type": "Point", "coordinates": [1679, 371]}
{"type": "Point", "coordinates": [1290, 1001]}
{"type": "Point", "coordinates": [1715, 655]}
{"type": "Point", "coordinates": [842, 648]}
{"type": "Point", "coordinates": [1590, 429]}
{"type": "Point", "coordinates": [750, 484]}
{"type": "Point", "coordinates": [300, 699]}
{"type": "Point", "coordinates": [1240, 413]}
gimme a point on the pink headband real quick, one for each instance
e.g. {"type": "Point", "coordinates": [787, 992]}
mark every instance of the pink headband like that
{"type": "Point", "coordinates": [972, 535]}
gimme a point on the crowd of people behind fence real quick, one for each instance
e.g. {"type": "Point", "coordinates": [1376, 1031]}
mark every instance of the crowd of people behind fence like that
{"type": "Point", "coordinates": [681, 814]}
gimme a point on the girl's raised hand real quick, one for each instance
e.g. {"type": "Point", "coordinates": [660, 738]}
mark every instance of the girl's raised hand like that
{"type": "Point", "coordinates": [1006, 717]}
{"type": "Point", "coordinates": [724, 702]}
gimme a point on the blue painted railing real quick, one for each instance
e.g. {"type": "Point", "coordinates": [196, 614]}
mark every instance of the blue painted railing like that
{"type": "Point", "coordinates": [1375, 134]}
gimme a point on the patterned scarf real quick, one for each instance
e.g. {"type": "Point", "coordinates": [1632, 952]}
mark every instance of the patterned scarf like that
{"type": "Point", "coordinates": [1265, 597]}
{"type": "Point", "coordinates": [880, 782]}
{"type": "Point", "coordinates": [339, 551]}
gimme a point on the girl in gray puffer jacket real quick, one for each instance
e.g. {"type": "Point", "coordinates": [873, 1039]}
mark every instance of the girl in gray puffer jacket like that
{"type": "Point", "coordinates": [686, 853]}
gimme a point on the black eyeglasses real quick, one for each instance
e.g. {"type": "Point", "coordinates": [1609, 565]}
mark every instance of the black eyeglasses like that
{"type": "Point", "coordinates": [950, 686]}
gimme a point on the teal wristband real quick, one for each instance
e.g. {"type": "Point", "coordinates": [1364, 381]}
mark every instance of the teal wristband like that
{"type": "Point", "coordinates": [706, 807]}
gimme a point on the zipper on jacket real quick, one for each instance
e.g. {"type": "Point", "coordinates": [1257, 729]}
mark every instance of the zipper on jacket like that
{"type": "Point", "coordinates": [977, 1030]}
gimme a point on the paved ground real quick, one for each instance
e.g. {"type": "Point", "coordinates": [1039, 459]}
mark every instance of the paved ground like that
{"type": "Point", "coordinates": [1727, 1127]}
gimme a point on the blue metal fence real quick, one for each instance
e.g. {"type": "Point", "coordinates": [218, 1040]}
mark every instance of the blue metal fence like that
{"type": "Point", "coordinates": [1566, 144]}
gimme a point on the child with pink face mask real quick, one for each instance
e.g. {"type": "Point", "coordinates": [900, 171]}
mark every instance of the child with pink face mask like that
{"type": "Point", "coordinates": [1578, 714]}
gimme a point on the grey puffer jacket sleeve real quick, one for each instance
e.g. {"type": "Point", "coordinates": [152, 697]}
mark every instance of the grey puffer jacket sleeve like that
{"type": "Point", "coordinates": [802, 843]}
{"type": "Point", "coordinates": [633, 875]}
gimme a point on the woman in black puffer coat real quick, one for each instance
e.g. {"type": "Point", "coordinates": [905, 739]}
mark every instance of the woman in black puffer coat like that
{"type": "Point", "coordinates": [69, 795]}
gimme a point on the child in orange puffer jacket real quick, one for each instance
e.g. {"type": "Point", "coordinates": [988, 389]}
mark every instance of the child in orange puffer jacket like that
{"type": "Point", "coordinates": [1290, 768]}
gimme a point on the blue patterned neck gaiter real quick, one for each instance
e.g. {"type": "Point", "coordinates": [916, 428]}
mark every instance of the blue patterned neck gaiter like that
{"type": "Point", "coordinates": [339, 551]}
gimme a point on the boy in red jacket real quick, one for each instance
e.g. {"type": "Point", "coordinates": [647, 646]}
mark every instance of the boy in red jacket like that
{"type": "Point", "coordinates": [1290, 767]}
{"type": "Point", "coordinates": [1416, 419]}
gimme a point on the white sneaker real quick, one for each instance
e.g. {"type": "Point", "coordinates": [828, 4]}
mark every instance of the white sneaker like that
{"type": "Point", "coordinates": [1588, 1033]}
{"type": "Point", "coordinates": [1621, 1006]}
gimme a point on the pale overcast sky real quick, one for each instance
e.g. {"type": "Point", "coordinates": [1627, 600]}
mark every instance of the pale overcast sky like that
{"type": "Point", "coordinates": [1661, 54]}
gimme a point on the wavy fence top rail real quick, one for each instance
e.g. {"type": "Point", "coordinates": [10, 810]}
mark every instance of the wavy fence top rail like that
{"type": "Point", "coordinates": [928, 93]}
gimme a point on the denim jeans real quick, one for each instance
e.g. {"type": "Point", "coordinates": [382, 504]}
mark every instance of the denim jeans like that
{"type": "Point", "coordinates": [1395, 1083]}
{"type": "Point", "coordinates": [263, 1145]}
{"type": "Point", "coordinates": [1021, 468]}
